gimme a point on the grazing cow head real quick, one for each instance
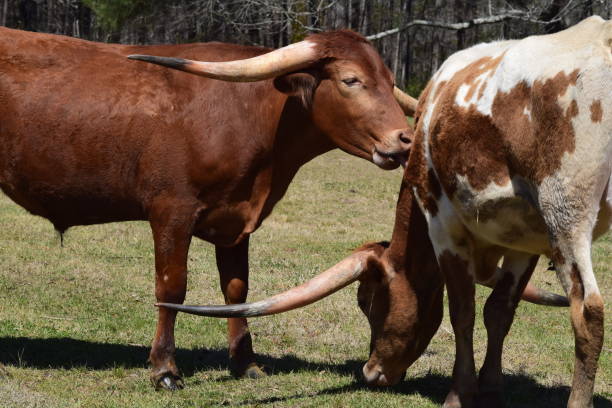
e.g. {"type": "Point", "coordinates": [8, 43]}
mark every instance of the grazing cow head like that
{"type": "Point", "coordinates": [340, 79]}
{"type": "Point", "coordinates": [400, 293]}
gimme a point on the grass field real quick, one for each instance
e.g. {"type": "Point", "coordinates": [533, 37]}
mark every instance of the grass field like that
{"type": "Point", "coordinates": [76, 321]}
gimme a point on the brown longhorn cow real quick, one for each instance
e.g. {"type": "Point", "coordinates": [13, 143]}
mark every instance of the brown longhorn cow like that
{"type": "Point", "coordinates": [88, 136]}
{"type": "Point", "coordinates": [512, 158]}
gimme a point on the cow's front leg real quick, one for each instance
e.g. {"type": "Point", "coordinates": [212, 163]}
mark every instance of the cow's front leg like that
{"type": "Point", "coordinates": [498, 316]}
{"type": "Point", "coordinates": [172, 227]}
{"type": "Point", "coordinates": [233, 265]}
{"type": "Point", "coordinates": [460, 285]}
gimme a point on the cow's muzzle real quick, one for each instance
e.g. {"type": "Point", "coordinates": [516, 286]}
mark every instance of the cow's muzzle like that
{"type": "Point", "coordinates": [394, 150]}
{"type": "Point", "coordinates": [374, 377]}
{"type": "Point", "coordinates": [389, 160]}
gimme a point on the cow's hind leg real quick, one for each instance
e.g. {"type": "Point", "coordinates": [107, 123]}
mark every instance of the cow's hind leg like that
{"type": "Point", "coordinates": [172, 225]}
{"type": "Point", "coordinates": [574, 269]}
{"type": "Point", "coordinates": [498, 316]}
{"type": "Point", "coordinates": [570, 219]}
{"type": "Point", "coordinates": [233, 265]}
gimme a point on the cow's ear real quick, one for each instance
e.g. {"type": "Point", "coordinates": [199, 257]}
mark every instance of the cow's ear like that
{"type": "Point", "coordinates": [298, 84]}
{"type": "Point", "coordinates": [374, 269]}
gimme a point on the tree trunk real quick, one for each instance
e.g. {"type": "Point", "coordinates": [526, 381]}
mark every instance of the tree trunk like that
{"type": "Point", "coordinates": [4, 12]}
{"type": "Point", "coordinates": [435, 52]}
{"type": "Point", "coordinates": [408, 50]}
{"type": "Point", "coordinates": [459, 10]}
{"type": "Point", "coordinates": [363, 25]}
{"type": "Point", "coordinates": [396, 10]}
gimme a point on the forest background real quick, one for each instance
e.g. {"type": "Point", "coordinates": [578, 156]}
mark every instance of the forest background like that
{"type": "Point", "coordinates": [414, 36]}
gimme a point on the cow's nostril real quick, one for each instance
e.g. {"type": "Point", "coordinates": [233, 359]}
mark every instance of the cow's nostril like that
{"type": "Point", "coordinates": [404, 137]}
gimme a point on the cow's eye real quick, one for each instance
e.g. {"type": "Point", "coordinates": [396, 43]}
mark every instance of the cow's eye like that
{"type": "Point", "coordinates": [352, 81]}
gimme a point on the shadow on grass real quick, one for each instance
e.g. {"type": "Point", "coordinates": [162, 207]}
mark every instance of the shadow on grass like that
{"type": "Point", "coordinates": [65, 353]}
{"type": "Point", "coordinates": [520, 391]}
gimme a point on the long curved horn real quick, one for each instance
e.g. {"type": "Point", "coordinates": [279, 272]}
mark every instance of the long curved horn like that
{"type": "Point", "coordinates": [538, 296]}
{"type": "Point", "coordinates": [322, 285]}
{"type": "Point", "coordinates": [272, 64]}
{"type": "Point", "coordinates": [407, 102]}
{"type": "Point", "coordinates": [542, 297]}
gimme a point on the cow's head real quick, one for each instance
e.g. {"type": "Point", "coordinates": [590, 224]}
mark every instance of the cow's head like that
{"type": "Point", "coordinates": [400, 292]}
{"type": "Point", "coordinates": [340, 78]}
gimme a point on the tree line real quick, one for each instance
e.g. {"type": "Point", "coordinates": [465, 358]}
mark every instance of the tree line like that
{"type": "Point", "coordinates": [414, 36]}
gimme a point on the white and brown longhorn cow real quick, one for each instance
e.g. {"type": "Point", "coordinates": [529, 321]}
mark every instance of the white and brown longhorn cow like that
{"type": "Point", "coordinates": [512, 158]}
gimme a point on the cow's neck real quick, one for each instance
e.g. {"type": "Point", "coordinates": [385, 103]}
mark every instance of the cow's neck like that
{"type": "Point", "coordinates": [297, 142]}
{"type": "Point", "coordinates": [410, 251]}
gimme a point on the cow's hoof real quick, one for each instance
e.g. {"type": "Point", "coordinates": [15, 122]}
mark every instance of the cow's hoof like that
{"type": "Point", "coordinates": [168, 382]}
{"type": "Point", "coordinates": [453, 400]}
{"type": "Point", "coordinates": [253, 371]}
{"type": "Point", "coordinates": [250, 370]}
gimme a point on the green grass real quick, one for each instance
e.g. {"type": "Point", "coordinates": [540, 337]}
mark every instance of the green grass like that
{"type": "Point", "coordinates": [76, 322]}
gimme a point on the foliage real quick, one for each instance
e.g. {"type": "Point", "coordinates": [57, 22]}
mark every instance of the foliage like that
{"type": "Point", "coordinates": [112, 14]}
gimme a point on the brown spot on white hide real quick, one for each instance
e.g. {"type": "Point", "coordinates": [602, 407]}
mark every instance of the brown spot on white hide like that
{"type": "Point", "coordinates": [596, 111]}
{"type": "Point", "coordinates": [536, 147]}
{"type": "Point", "coordinates": [557, 257]}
